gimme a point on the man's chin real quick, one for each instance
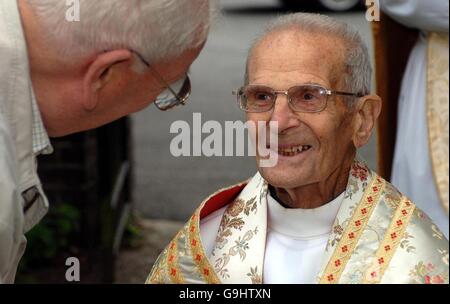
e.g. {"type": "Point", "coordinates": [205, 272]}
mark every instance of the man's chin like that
{"type": "Point", "coordinates": [281, 178]}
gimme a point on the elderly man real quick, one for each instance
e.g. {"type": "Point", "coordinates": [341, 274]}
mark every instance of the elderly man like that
{"type": "Point", "coordinates": [60, 75]}
{"type": "Point", "coordinates": [320, 215]}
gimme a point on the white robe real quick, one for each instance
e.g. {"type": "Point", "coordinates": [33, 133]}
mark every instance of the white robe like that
{"type": "Point", "coordinates": [412, 169]}
{"type": "Point", "coordinates": [296, 240]}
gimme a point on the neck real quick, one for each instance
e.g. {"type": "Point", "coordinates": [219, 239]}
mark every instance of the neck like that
{"type": "Point", "coordinates": [320, 193]}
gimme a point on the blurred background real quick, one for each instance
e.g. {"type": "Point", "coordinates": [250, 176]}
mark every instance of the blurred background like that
{"type": "Point", "coordinates": [118, 196]}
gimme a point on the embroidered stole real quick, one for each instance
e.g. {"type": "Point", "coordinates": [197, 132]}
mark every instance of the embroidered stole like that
{"type": "Point", "coordinates": [437, 111]}
{"type": "Point", "coordinates": [238, 254]}
{"type": "Point", "coordinates": [370, 226]}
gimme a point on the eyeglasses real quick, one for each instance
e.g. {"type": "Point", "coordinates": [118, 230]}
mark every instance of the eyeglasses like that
{"type": "Point", "coordinates": [169, 98]}
{"type": "Point", "coordinates": [309, 98]}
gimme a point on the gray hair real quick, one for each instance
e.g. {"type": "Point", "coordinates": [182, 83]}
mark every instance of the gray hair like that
{"type": "Point", "coordinates": [155, 28]}
{"type": "Point", "coordinates": [357, 78]}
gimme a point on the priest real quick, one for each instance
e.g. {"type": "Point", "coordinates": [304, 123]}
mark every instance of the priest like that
{"type": "Point", "coordinates": [320, 215]}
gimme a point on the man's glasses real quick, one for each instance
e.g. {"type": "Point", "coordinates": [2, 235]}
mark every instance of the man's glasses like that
{"type": "Point", "coordinates": [170, 98]}
{"type": "Point", "coordinates": [308, 98]}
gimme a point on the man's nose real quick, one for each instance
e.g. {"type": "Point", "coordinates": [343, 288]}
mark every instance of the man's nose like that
{"type": "Point", "coordinates": [283, 114]}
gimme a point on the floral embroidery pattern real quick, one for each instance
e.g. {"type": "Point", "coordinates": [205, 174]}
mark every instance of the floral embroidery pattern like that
{"type": "Point", "coordinates": [359, 171]}
{"type": "Point", "coordinates": [360, 174]}
{"type": "Point", "coordinates": [264, 189]}
{"type": "Point", "coordinates": [251, 206]}
{"type": "Point", "coordinates": [239, 245]}
{"type": "Point", "coordinates": [425, 274]}
{"type": "Point", "coordinates": [436, 232]}
{"type": "Point", "coordinates": [444, 254]}
{"type": "Point", "coordinates": [356, 183]}
{"type": "Point", "coordinates": [230, 220]}
{"type": "Point", "coordinates": [254, 275]}
{"type": "Point", "coordinates": [392, 197]}
{"type": "Point", "coordinates": [336, 233]}
{"type": "Point", "coordinates": [352, 188]}
{"type": "Point", "coordinates": [197, 253]}
{"type": "Point", "coordinates": [437, 112]}
{"type": "Point", "coordinates": [172, 262]}
{"type": "Point", "coordinates": [405, 243]}
{"type": "Point", "coordinates": [236, 207]}
{"type": "Point", "coordinates": [352, 232]}
{"type": "Point", "coordinates": [225, 230]}
{"type": "Point", "coordinates": [392, 239]}
{"type": "Point", "coordinates": [241, 259]}
{"type": "Point", "coordinates": [157, 274]}
{"type": "Point", "coordinates": [240, 248]}
{"type": "Point", "coordinates": [420, 214]}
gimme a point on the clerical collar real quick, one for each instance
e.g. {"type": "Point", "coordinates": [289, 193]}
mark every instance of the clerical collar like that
{"type": "Point", "coordinates": [274, 195]}
{"type": "Point", "coordinates": [303, 223]}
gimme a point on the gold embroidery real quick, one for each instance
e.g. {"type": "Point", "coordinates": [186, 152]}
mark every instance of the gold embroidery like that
{"type": "Point", "coordinates": [157, 273]}
{"type": "Point", "coordinates": [437, 111]}
{"type": "Point", "coordinates": [173, 269]}
{"type": "Point", "coordinates": [392, 238]}
{"type": "Point", "coordinates": [353, 231]}
{"type": "Point", "coordinates": [197, 253]}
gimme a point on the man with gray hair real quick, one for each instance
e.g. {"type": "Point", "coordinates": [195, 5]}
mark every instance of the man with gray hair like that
{"type": "Point", "coordinates": [66, 68]}
{"type": "Point", "coordinates": [320, 215]}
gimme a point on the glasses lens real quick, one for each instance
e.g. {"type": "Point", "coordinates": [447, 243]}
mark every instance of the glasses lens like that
{"type": "Point", "coordinates": [256, 98]}
{"type": "Point", "coordinates": [167, 99]}
{"type": "Point", "coordinates": [308, 98]}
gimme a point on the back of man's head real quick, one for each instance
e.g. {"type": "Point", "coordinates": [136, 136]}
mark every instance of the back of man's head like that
{"type": "Point", "coordinates": [116, 60]}
{"type": "Point", "coordinates": [155, 28]}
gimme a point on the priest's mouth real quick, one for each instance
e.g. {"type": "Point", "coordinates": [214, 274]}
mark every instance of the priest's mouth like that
{"type": "Point", "coordinates": [292, 150]}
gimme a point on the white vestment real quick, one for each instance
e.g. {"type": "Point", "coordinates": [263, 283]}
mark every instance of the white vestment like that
{"type": "Point", "coordinates": [296, 240]}
{"type": "Point", "coordinates": [378, 236]}
{"type": "Point", "coordinates": [412, 169]}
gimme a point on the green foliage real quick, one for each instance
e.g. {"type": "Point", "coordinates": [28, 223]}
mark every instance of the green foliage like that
{"type": "Point", "coordinates": [133, 236]}
{"type": "Point", "coordinates": [51, 237]}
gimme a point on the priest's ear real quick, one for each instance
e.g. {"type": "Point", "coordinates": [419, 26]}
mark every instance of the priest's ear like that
{"type": "Point", "coordinates": [366, 112]}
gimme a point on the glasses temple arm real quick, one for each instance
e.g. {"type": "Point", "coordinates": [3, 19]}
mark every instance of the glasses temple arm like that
{"type": "Point", "coordinates": [345, 93]}
{"type": "Point", "coordinates": [157, 76]}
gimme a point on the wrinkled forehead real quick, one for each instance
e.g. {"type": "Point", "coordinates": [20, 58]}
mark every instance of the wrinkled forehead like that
{"type": "Point", "coordinates": [291, 50]}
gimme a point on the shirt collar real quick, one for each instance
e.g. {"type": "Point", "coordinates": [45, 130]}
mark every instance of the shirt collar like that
{"type": "Point", "coordinates": [41, 141]}
{"type": "Point", "coordinates": [303, 223]}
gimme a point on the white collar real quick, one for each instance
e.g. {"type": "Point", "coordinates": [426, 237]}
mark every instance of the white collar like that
{"type": "Point", "coordinates": [303, 223]}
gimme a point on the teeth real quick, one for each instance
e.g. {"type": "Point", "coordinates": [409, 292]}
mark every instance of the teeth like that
{"type": "Point", "coordinates": [294, 150]}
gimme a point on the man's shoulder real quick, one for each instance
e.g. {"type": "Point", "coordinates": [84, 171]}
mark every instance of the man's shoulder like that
{"type": "Point", "coordinates": [420, 225]}
{"type": "Point", "coordinates": [422, 249]}
{"type": "Point", "coordinates": [220, 198]}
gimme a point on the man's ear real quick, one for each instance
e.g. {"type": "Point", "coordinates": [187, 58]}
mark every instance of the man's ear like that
{"type": "Point", "coordinates": [98, 74]}
{"type": "Point", "coordinates": [367, 111]}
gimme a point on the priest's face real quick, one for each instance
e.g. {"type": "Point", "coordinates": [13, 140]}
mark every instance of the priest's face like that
{"type": "Point", "coordinates": [286, 59]}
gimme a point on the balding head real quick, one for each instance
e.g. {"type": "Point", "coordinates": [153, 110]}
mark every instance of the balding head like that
{"type": "Point", "coordinates": [348, 55]}
{"type": "Point", "coordinates": [321, 56]}
{"type": "Point", "coordinates": [159, 29]}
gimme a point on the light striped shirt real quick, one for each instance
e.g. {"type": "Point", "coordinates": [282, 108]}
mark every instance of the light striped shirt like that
{"type": "Point", "coordinates": [41, 141]}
